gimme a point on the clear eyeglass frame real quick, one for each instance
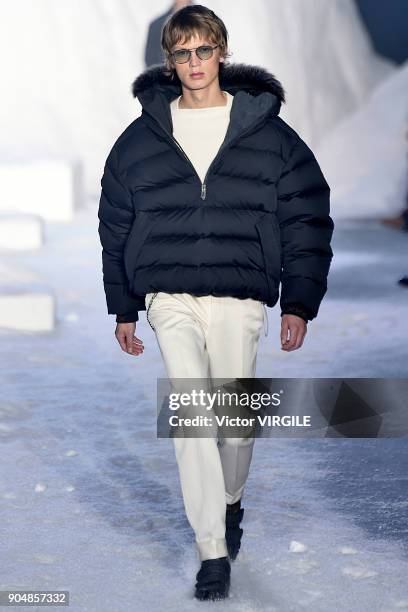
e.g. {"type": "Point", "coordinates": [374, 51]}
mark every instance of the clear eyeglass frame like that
{"type": "Point", "coordinates": [203, 52]}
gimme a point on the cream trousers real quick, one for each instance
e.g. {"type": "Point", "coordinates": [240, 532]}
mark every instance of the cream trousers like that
{"type": "Point", "coordinates": [209, 337]}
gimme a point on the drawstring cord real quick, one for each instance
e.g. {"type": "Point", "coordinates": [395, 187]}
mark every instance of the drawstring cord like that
{"type": "Point", "coordinates": [148, 308]}
{"type": "Point", "coordinates": [265, 319]}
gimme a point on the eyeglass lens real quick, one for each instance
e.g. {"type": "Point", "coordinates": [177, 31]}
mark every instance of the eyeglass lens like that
{"type": "Point", "coordinates": [183, 55]}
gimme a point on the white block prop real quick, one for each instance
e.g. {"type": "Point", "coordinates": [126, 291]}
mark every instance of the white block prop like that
{"type": "Point", "coordinates": [20, 232]}
{"type": "Point", "coordinates": [27, 308]}
{"type": "Point", "coordinates": [50, 188]}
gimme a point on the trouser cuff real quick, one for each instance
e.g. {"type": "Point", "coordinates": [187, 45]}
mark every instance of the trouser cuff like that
{"type": "Point", "coordinates": [212, 549]}
{"type": "Point", "coordinates": [231, 499]}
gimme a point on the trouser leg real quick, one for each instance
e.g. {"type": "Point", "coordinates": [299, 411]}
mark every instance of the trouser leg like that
{"type": "Point", "coordinates": [232, 342]}
{"type": "Point", "coordinates": [181, 324]}
{"type": "Point", "coordinates": [201, 337]}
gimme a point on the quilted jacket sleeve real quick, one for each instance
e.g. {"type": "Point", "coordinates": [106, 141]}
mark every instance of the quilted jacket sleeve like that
{"type": "Point", "coordinates": [306, 230]}
{"type": "Point", "coordinates": [116, 217]}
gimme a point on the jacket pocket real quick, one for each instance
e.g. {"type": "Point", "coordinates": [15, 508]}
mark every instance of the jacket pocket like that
{"type": "Point", "coordinates": [143, 224]}
{"type": "Point", "coordinates": [269, 238]}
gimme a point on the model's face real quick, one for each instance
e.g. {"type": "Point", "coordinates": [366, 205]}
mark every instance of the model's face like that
{"type": "Point", "coordinates": [198, 73]}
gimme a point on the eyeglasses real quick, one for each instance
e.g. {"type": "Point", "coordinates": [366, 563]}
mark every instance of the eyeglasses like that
{"type": "Point", "coordinates": [181, 56]}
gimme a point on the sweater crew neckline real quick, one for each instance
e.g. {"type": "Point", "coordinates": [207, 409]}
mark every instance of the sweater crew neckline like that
{"type": "Point", "coordinates": [206, 109]}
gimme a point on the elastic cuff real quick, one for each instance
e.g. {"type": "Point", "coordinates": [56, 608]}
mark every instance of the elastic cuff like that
{"type": "Point", "coordinates": [294, 309]}
{"type": "Point", "coordinates": [127, 318]}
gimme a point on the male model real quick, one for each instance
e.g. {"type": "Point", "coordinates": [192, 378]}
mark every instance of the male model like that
{"type": "Point", "coordinates": [209, 203]}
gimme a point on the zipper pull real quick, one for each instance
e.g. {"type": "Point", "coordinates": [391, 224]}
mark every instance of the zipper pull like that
{"type": "Point", "coordinates": [203, 191]}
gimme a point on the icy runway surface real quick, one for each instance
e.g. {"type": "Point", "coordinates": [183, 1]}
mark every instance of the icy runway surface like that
{"type": "Point", "coordinates": [90, 499]}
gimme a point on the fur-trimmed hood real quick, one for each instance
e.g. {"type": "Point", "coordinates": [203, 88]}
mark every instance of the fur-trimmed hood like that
{"type": "Point", "coordinates": [252, 79]}
{"type": "Point", "coordinates": [232, 77]}
{"type": "Point", "coordinates": [258, 96]}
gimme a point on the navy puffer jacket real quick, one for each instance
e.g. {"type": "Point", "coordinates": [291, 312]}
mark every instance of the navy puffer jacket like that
{"type": "Point", "coordinates": [260, 219]}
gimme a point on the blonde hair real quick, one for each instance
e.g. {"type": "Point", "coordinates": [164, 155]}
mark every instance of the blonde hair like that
{"type": "Point", "coordinates": [185, 23]}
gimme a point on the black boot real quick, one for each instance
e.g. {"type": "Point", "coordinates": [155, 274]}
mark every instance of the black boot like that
{"type": "Point", "coordinates": [233, 532]}
{"type": "Point", "coordinates": [213, 579]}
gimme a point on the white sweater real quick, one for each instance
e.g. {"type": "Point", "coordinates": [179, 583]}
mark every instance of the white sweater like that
{"type": "Point", "coordinates": [201, 131]}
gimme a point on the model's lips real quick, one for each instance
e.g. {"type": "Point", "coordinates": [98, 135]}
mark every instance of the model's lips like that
{"type": "Point", "coordinates": [197, 74]}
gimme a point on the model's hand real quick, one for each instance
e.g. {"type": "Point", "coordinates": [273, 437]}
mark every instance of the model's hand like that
{"type": "Point", "coordinates": [125, 335]}
{"type": "Point", "coordinates": [297, 328]}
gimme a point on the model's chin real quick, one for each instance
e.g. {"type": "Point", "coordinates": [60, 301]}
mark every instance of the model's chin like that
{"type": "Point", "coordinates": [196, 85]}
{"type": "Point", "coordinates": [197, 81]}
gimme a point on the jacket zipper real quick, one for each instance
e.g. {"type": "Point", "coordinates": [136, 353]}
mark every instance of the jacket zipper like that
{"type": "Point", "coordinates": [203, 183]}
